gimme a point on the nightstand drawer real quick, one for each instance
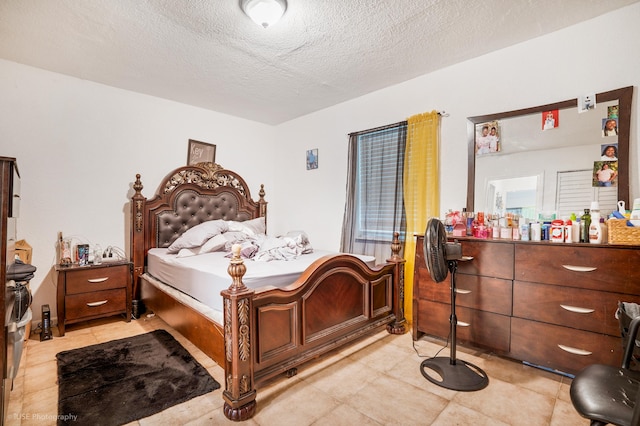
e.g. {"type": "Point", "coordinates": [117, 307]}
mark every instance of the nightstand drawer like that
{"type": "Point", "coordinates": [96, 279]}
{"type": "Point", "coordinates": [95, 303]}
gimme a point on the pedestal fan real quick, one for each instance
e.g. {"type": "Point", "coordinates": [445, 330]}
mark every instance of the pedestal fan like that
{"type": "Point", "coordinates": [440, 257]}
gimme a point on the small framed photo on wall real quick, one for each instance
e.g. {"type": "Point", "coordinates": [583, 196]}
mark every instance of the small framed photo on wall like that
{"type": "Point", "coordinates": [200, 152]}
{"type": "Point", "coordinates": [312, 159]}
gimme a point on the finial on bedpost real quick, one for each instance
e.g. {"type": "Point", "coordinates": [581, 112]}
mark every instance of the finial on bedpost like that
{"type": "Point", "coordinates": [137, 185]}
{"type": "Point", "coordinates": [236, 269]}
{"type": "Point", "coordinates": [399, 326]}
{"type": "Point", "coordinates": [395, 247]}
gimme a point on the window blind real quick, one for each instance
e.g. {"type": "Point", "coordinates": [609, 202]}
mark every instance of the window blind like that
{"type": "Point", "coordinates": [380, 156]}
{"type": "Point", "coordinates": [575, 192]}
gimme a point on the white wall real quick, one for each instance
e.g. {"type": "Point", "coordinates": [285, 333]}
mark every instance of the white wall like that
{"type": "Point", "coordinates": [595, 56]}
{"type": "Point", "coordinates": [80, 144]}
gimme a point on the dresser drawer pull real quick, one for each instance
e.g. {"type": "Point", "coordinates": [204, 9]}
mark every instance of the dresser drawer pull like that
{"type": "Point", "coordinates": [579, 268]}
{"type": "Point", "coordinates": [463, 324]}
{"type": "Point", "coordinates": [462, 291]}
{"type": "Point", "coordinates": [574, 350]}
{"type": "Point", "coordinates": [98, 280]}
{"type": "Point", "coordinates": [94, 304]}
{"type": "Point", "coordinates": [577, 310]}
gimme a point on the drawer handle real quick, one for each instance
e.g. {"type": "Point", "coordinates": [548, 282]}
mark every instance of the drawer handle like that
{"type": "Point", "coordinates": [98, 280]}
{"type": "Point", "coordinates": [574, 350]}
{"type": "Point", "coordinates": [577, 309]}
{"type": "Point", "coordinates": [94, 304]}
{"type": "Point", "coordinates": [579, 268]}
{"type": "Point", "coordinates": [462, 291]}
{"type": "Point", "coordinates": [463, 324]}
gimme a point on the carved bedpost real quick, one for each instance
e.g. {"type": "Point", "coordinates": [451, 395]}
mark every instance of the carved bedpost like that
{"type": "Point", "coordinates": [263, 205]}
{"type": "Point", "coordinates": [239, 394]}
{"type": "Point", "coordinates": [399, 326]}
{"type": "Point", "coordinates": [137, 236]}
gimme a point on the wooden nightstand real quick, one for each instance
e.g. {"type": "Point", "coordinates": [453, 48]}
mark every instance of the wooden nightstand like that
{"type": "Point", "coordinates": [94, 291]}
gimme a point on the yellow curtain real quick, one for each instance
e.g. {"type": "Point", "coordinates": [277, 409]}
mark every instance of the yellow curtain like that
{"type": "Point", "coordinates": [421, 189]}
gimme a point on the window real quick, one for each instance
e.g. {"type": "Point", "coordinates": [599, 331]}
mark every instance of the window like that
{"type": "Point", "coordinates": [379, 206]}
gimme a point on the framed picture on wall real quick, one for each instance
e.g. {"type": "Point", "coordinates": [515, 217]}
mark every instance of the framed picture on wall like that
{"type": "Point", "coordinates": [312, 159]}
{"type": "Point", "coordinates": [200, 152]}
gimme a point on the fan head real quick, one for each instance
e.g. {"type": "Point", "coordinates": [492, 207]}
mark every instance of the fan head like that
{"type": "Point", "coordinates": [437, 251]}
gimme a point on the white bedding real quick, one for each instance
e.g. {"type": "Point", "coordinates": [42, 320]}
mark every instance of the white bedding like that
{"type": "Point", "coordinates": [204, 276]}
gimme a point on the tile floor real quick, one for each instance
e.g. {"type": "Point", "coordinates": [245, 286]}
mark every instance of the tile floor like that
{"type": "Point", "coordinates": [375, 381]}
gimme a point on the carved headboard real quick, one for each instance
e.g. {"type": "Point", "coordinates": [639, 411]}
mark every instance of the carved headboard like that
{"type": "Point", "coordinates": [186, 197]}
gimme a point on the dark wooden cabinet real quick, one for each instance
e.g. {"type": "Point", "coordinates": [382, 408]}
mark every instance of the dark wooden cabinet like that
{"type": "Point", "coordinates": [549, 304]}
{"type": "Point", "coordinates": [9, 206]}
{"type": "Point", "coordinates": [90, 292]}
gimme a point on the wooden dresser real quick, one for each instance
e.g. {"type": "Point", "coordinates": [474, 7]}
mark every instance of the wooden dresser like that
{"type": "Point", "coordinates": [549, 304]}
{"type": "Point", "coordinates": [90, 292]}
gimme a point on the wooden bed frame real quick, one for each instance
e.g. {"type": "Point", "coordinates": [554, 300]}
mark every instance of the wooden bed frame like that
{"type": "Point", "coordinates": [266, 331]}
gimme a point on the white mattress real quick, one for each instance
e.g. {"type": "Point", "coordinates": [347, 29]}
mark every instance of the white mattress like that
{"type": "Point", "coordinates": [204, 276]}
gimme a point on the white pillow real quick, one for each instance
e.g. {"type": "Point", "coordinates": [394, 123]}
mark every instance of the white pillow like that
{"type": "Point", "coordinates": [198, 235]}
{"type": "Point", "coordinates": [214, 244]}
{"type": "Point", "coordinates": [250, 227]}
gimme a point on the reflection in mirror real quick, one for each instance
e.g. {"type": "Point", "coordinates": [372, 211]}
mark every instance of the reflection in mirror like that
{"type": "Point", "coordinates": [551, 154]}
{"type": "Point", "coordinates": [519, 196]}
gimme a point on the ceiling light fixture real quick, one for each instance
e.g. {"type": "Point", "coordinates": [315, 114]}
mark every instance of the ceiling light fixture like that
{"type": "Point", "coordinates": [264, 12]}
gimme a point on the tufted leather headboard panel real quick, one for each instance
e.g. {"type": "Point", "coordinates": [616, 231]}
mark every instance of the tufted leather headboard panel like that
{"type": "Point", "coordinates": [190, 209]}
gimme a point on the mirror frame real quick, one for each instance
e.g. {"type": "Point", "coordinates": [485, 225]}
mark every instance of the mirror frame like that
{"type": "Point", "coordinates": [624, 96]}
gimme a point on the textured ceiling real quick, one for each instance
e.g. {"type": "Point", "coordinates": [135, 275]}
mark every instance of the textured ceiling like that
{"type": "Point", "coordinates": [323, 52]}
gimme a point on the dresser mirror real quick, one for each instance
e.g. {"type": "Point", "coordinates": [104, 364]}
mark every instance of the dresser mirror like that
{"type": "Point", "coordinates": [549, 158]}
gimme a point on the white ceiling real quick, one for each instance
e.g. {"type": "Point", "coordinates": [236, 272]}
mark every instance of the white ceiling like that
{"type": "Point", "coordinates": [207, 53]}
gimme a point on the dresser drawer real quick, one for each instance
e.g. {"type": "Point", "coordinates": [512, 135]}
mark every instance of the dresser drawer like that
{"type": "Point", "coordinates": [584, 309]}
{"type": "Point", "coordinates": [87, 305]}
{"type": "Point", "coordinates": [96, 279]}
{"type": "Point", "coordinates": [489, 259]}
{"type": "Point", "coordinates": [478, 328]}
{"type": "Point", "coordinates": [542, 344]}
{"type": "Point", "coordinates": [476, 292]}
{"type": "Point", "coordinates": [586, 267]}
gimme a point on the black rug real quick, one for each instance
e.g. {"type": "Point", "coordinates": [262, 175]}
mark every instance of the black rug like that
{"type": "Point", "coordinates": [117, 382]}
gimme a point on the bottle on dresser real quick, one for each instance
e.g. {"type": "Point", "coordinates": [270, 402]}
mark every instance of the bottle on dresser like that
{"type": "Point", "coordinates": [585, 222]}
{"type": "Point", "coordinates": [595, 229]}
{"type": "Point", "coordinates": [575, 228]}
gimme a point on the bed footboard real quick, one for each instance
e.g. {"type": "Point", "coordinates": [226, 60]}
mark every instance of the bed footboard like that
{"type": "Point", "coordinates": [270, 331]}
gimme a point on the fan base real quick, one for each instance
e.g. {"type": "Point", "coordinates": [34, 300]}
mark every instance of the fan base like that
{"type": "Point", "coordinates": [460, 376]}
